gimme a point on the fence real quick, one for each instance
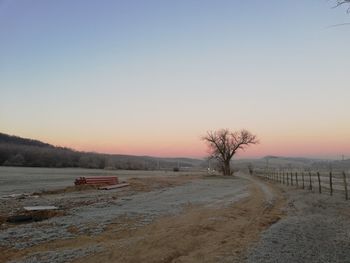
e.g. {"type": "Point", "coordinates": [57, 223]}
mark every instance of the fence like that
{"type": "Point", "coordinates": [330, 182]}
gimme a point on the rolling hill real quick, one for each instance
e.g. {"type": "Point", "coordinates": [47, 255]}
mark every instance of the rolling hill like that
{"type": "Point", "coordinates": [17, 151]}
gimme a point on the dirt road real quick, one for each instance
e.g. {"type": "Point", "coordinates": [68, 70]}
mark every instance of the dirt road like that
{"type": "Point", "coordinates": [199, 234]}
{"type": "Point", "coordinates": [182, 219]}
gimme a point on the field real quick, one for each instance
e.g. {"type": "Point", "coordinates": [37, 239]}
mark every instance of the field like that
{"type": "Point", "coordinates": [169, 217]}
{"type": "Point", "coordinates": [21, 180]}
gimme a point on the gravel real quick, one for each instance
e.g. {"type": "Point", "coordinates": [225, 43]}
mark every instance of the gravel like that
{"type": "Point", "coordinates": [316, 229]}
{"type": "Point", "coordinates": [92, 219]}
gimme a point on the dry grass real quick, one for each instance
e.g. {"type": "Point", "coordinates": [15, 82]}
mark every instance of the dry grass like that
{"type": "Point", "coordinates": [147, 184]}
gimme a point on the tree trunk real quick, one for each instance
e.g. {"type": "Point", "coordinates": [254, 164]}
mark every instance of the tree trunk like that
{"type": "Point", "coordinates": [227, 168]}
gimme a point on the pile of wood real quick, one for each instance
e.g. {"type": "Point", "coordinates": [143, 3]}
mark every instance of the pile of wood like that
{"type": "Point", "coordinates": [97, 180]}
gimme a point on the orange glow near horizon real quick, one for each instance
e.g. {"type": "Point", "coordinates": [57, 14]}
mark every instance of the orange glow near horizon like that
{"type": "Point", "coordinates": [283, 143]}
{"type": "Point", "coordinates": [197, 149]}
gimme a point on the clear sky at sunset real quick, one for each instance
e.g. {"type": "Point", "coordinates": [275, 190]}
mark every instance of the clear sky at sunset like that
{"type": "Point", "coordinates": [151, 77]}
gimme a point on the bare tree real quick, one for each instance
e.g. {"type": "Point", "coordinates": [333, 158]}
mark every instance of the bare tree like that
{"type": "Point", "coordinates": [342, 2]}
{"type": "Point", "coordinates": [223, 144]}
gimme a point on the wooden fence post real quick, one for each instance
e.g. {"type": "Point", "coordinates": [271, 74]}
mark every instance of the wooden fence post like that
{"type": "Point", "coordinates": [331, 182]}
{"type": "Point", "coordinates": [296, 179]}
{"type": "Point", "coordinates": [287, 179]}
{"type": "Point", "coordinates": [345, 186]}
{"type": "Point", "coordinates": [302, 176]}
{"type": "Point", "coordinates": [310, 183]}
{"type": "Point", "coordinates": [291, 178]}
{"type": "Point", "coordinates": [319, 182]}
{"type": "Point", "coordinates": [283, 177]}
{"type": "Point", "coordinates": [280, 177]}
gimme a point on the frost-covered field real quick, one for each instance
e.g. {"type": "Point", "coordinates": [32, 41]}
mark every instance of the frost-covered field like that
{"type": "Point", "coordinates": [17, 180]}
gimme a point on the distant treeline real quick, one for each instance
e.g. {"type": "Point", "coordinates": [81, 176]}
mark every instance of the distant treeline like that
{"type": "Point", "coordinates": [16, 151]}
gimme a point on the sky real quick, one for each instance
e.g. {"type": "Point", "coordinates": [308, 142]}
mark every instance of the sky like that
{"type": "Point", "coordinates": [151, 77]}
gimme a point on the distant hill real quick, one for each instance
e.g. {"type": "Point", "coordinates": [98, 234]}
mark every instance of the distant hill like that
{"type": "Point", "coordinates": [11, 139]}
{"type": "Point", "coordinates": [17, 151]}
{"type": "Point", "coordinates": [280, 162]}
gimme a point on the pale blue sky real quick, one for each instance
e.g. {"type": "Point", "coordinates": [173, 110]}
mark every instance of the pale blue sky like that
{"type": "Point", "coordinates": [149, 77]}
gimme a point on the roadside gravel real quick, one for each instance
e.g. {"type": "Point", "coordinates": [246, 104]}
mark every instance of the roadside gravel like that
{"type": "Point", "coordinates": [316, 229]}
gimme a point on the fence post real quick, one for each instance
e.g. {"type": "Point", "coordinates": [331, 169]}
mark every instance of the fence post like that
{"type": "Point", "coordinates": [331, 182]}
{"type": "Point", "coordinates": [310, 183]}
{"type": "Point", "coordinates": [296, 179]}
{"type": "Point", "coordinates": [291, 178]}
{"type": "Point", "coordinates": [302, 176]}
{"type": "Point", "coordinates": [345, 186]}
{"type": "Point", "coordinates": [283, 177]}
{"type": "Point", "coordinates": [319, 182]}
{"type": "Point", "coordinates": [287, 179]}
{"type": "Point", "coordinates": [280, 177]}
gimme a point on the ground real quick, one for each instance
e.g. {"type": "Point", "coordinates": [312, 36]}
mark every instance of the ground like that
{"type": "Point", "coordinates": [186, 217]}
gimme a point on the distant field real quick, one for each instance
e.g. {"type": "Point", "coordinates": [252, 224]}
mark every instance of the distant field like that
{"type": "Point", "coordinates": [24, 180]}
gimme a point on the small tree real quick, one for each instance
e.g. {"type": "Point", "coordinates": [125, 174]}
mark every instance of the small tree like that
{"type": "Point", "coordinates": [223, 144]}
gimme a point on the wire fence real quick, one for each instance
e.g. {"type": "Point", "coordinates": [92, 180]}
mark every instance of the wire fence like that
{"type": "Point", "coordinates": [330, 182]}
